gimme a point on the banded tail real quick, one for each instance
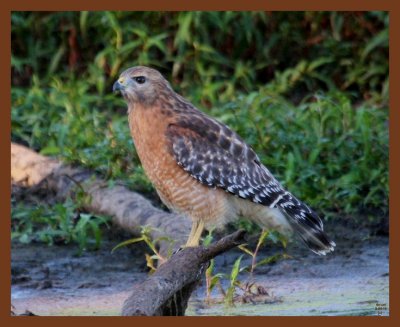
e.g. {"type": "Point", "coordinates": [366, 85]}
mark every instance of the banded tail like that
{"type": "Point", "coordinates": [306, 223]}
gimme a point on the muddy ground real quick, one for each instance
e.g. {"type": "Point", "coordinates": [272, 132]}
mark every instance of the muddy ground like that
{"type": "Point", "coordinates": [354, 280]}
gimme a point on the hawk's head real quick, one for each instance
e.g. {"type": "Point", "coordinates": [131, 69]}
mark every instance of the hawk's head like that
{"type": "Point", "coordinates": [141, 85]}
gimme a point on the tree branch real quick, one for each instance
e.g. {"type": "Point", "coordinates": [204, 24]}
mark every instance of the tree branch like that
{"type": "Point", "coordinates": [128, 209]}
{"type": "Point", "coordinates": [167, 291]}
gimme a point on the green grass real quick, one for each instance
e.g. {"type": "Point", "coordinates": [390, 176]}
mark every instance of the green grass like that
{"type": "Point", "coordinates": [308, 91]}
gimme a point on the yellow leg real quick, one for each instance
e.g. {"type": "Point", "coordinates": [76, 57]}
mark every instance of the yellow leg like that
{"type": "Point", "coordinates": [195, 233]}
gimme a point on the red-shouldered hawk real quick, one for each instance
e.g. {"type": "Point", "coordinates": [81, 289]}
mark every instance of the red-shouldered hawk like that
{"type": "Point", "coordinates": [203, 169]}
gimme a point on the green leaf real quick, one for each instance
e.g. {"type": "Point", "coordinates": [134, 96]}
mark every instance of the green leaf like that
{"type": "Point", "coordinates": [379, 40]}
{"type": "Point", "coordinates": [83, 22]}
{"type": "Point", "coordinates": [235, 270]}
{"type": "Point", "coordinates": [262, 238]}
{"type": "Point", "coordinates": [244, 249]}
{"type": "Point", "coordinates": [50, 150]}
{"type": "Point", "coordinates": [318, 63]}
{"type": "Point", "coordinates": [272, 259]}
{"type": "Point", "coordinates": [125, 243]}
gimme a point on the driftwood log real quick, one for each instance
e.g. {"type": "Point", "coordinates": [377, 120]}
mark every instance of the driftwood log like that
{"type": "Point", "coordinates": [167, 291]}
{"type": "Point", "coordinates": [129, 210]}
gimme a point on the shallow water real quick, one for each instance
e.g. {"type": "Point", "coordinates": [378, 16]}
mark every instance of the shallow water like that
{"type": "Point", "coordinates": [352, 281]}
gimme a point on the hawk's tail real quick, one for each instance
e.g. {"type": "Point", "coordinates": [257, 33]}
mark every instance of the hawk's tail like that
{"type": "Point", "coordinates": [306, 223]}
{"type": "Point", "coordinates": [314, 236]}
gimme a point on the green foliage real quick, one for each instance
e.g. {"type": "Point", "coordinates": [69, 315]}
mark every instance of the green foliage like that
{"type": "Point", "coordinates": [230, 294]}
{"type": "Point", "coordinates": [65, 120]}
{"type": "Point", "coordinates": [233, 282]}
{"type": "Point", "coordinates": [264, 236]}
{"type": "Point", "coordinates": [212, 280]}
{"type": "Point", "coordinates": [308, 90]}
{"type": "Point", "coordinates": [223, 52]}
{"type": "Point", "coordinates": [330, 154]}
{"type": "Point", "coordinates": [151, 243]}
{"type": "Point", "coordinates": [61, 223]}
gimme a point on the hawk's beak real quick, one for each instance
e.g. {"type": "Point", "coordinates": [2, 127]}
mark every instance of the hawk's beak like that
{"type": "Point", "coordinates": [117, 87]}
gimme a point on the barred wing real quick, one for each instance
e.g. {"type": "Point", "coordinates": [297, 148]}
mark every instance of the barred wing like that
{"type": "Point", "coordinates": [217, 157]}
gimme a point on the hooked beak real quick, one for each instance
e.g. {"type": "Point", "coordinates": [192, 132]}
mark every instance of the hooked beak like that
{"type": "Point", "coordinates": [117, 87]}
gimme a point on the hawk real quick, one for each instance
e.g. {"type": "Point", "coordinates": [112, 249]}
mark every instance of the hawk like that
{"type": "Point", "coordinates": [202, 168]}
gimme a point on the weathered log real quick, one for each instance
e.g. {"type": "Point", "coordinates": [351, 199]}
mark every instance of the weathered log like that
{"type": "Point", "coordinates": [128, 209]}
{"type": "Point", "coordinates": [167, 291]}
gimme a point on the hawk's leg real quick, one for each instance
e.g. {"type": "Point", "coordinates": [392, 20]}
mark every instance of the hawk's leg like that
{"type": "Point", "coordinates": [195, 233]}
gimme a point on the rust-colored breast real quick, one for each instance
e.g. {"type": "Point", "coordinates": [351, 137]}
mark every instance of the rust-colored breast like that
{"type": "Point", "coordinates": [177, 189]}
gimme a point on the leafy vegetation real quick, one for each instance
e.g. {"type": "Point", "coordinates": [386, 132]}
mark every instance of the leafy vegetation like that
{"type": "Point", "coordinates": [210, 55]}
{"type": "Point", "coordinates": [236, 289]}
{"type": "Point", "coordinates": [264, 235]}
{"type": "Point", "coordinates": [152, 244]}
{"type": "Point", "coordinates": [308, 90]}
{"type": "Point", "coordinates": [61, 223]}
{"type": "Point", "coordinates": [324, 149]}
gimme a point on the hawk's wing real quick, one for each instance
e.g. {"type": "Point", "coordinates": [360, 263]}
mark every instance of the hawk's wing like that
{"type": "Point", "coordinates": [216, 156]}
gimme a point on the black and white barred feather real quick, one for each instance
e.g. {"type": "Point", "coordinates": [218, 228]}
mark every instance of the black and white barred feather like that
{"type": "Point", "coordinates": [217, 157]}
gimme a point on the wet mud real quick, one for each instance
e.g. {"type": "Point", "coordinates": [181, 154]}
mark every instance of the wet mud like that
{"type": "Point", "coordinates": [354, 280]}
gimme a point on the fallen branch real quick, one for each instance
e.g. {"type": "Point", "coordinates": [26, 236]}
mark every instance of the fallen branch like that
{"type": "Point", "coordinates": [167, 291]}
{"type": "Point", "coordinates": [128, 209]}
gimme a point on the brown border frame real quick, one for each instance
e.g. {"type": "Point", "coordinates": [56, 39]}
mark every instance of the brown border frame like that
{"type": "Point", "coordinates": [175, 5]}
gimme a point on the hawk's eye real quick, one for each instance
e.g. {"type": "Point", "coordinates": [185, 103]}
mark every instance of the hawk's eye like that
{"type": "Point", "coordinates": [140, 79]}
